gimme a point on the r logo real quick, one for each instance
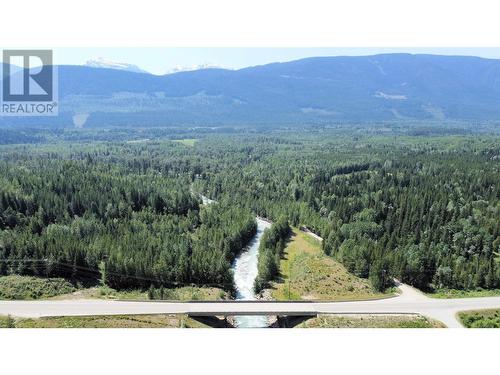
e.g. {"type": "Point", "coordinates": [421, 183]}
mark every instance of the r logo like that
{"type": "Point", "coordinates": [28, 76]}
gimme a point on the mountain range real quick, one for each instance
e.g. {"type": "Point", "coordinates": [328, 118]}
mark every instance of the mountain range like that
{"type": "Point", "coordinates": [389, 87]}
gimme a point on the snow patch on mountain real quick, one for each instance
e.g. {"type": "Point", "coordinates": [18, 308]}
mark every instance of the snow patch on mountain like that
{"type": "Point", "coordinates": [101, 62]}
{"type": "Point", "coordinates": [190, 68]}
{"type": "Point", "coordinates": [380, 94]}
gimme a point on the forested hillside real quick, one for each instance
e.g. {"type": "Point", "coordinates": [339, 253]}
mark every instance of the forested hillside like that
{"type": "Point", "coordinates": [316, 90]}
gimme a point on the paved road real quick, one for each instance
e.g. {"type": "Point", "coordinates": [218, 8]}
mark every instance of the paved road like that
{"type": "Point", "coordinates": [410, 301]}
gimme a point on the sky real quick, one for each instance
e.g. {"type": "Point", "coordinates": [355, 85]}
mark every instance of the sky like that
{"type": "Point", "coordinates": [163, 60]}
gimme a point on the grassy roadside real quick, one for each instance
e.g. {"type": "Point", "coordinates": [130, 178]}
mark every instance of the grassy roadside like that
{"type": "Point", "coordinates": [454, 293]}
{"type": "Point", "coordinates": [118, 321]}
{"type": "Point", "coordinates": [15, 287]}
{"type": "Point", "coordinates": [307, 273]}
{"type": "Point", "coordinates": [480, 318]}
{"type": "Point", "coordinates": [371, 321]}
{"type": "Point", "coordinates": [187, 293]}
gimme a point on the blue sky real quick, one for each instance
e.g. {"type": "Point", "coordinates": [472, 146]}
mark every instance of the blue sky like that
{"type": "Point", "coordinates": [161, 60]}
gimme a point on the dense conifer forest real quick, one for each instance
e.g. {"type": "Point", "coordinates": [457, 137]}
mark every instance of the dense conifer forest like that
{"type": "Point", "coordinates": [104, 214]}
{"type": "Point", "coordinates": [270, 251]}
{"type": "Point", "coordinates": [424, 209]}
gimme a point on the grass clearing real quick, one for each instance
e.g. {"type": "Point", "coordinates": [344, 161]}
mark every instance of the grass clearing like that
{"type": "Point", "coordinates": [15, 287]}
{"type": "Point", "coordinates": [370, 321]}
{"type": "Point", "coordinates": [117, 321]}
{"type": "Point", "coordinates": [308, 274]}
{"type": "Point", "coordinates": [480, 318]}
{"type": "Point", "coordinates": [454, 293]}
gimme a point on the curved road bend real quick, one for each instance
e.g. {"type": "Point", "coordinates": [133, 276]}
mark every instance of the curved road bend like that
{"type": "Point", "coordinates": [410, 301]}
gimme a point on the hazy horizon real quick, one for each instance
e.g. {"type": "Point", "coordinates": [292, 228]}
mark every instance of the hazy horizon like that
{"type": "Point", "coordinates": [160, 61]}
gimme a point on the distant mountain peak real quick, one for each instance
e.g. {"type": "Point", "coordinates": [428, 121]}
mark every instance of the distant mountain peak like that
{"type": "Point", "coordinates": [190, 68]}
{"type": "Point", "coordinates": [102, 62]}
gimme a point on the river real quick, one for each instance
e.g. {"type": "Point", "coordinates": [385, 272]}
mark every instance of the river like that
{"type": "Point", "coordinates": [245, 272]}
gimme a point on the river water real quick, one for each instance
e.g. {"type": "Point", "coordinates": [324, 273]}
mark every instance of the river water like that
{"type": "Point", "coordinates": [245, 272]}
